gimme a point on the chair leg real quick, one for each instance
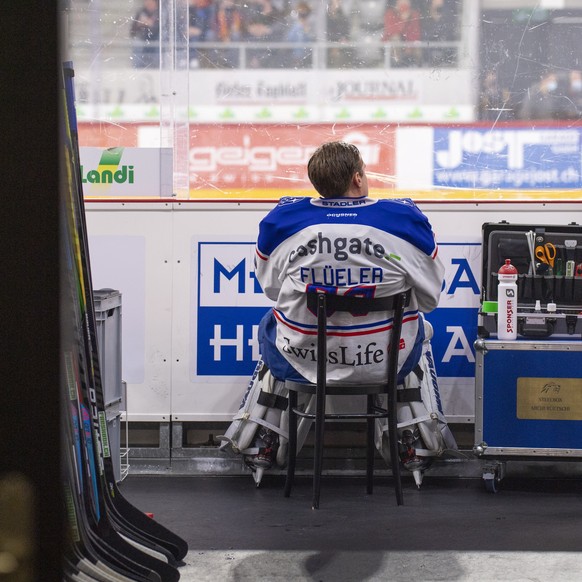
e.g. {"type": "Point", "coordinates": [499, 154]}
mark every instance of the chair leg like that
{"type": "Point", "coordinates": [370, 447]}
{"type": "Point", "coordinates": [394, 456]}
{"type": "Point", "coordinates": [292, 446]}
{"type": "Point", "coordinates": [318, 456]}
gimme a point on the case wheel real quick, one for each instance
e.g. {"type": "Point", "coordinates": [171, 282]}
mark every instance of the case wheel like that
{"type": "Point", "coordinates": [492, 476]}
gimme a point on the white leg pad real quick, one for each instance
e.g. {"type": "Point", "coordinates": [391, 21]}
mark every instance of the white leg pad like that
{"type": "Point", "coordinates": [426, 415]}
{"type": "Point", "coordinates": [303, 426]}
{"type": "Point", "coordinates": [251, 414]}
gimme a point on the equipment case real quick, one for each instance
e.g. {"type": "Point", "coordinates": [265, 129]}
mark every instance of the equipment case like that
{"type": "Point", "coordinates": [536, 280]}
{"type": "Point", "coordinates": [528, 402]}
{"type": "Point", "coordinates": [528, 392]}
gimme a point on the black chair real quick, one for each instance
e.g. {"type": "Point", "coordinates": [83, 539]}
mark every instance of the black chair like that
{"type": "Point", "coordinates": [322, 304]}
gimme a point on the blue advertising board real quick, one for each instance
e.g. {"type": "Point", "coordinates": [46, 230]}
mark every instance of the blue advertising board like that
{"type": "Point", "coordinates": [229, 305]}
{"type": "Point", "coordinates": [510, 158]}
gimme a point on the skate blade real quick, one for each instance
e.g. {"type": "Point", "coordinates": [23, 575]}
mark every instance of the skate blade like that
{"type": "Point", "coordinates": [258, 475]}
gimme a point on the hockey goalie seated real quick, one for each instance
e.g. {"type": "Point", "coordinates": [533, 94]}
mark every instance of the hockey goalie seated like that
{"type": "Point", "coordinates": [259, 430]}
{"type": "Point", "coordinates": [347, 243]}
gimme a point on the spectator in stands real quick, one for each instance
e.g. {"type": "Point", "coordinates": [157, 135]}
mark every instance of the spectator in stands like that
{"type": "Point", "coordinates": [229, 28]}
{"type": "Point", "coordinates": [145, 34]}
{"type": "Point", "coordinates": [550, 99]}
{"type": "Point", "coordinates": [262, 23]}
{"type": "Point", "coordinates": [301, 32]}
{"type": "Point", "coordinates": [284, 7]}
{"type": "Point", "coordinates": [494, 100]}
{"type": "Point", "coordinates": [201, 15]}
{"type": "Point", "coordinates": [338, 31]}
{"type": "Point", "coordinates": [574, 91]}
{"type": "Point", "coordinates": [201, 28]}
{"type": "Point", "coordinates": [438, 25]}
{"type": "Point", "coordinates": [402, 25]}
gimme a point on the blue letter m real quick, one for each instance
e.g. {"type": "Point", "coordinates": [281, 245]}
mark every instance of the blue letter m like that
{"type": "Point", "coordinates": [238, 270]}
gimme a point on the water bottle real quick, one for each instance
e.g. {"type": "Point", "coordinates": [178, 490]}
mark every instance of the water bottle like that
{"type": "Point", "coordinates": [507, 302]}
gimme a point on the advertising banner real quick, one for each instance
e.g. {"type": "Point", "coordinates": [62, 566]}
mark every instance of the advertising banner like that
{"type": "Point", "coordinates": [219, 95]}
{"type": "Point", "coordinates": [455, 319]}
{"type": "Point", "coordinates": [230, 303]}
{"type": "Point", "coordinates": [268, 160]}
{"type": "Point", "coordinates": [126, 172]}
{"type": "Point", "coordinates": [512, 158]}
{"type": "Point", "coordinates": [237, 158]}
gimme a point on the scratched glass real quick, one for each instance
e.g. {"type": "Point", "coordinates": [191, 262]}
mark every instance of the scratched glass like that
{"type": "Point", "coordinates": [447, 99]}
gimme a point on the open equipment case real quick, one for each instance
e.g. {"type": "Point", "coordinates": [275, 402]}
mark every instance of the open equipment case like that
{"type": "Point", "coordinates": [528, 392]}
{"type": "Point", "coordinates": [556, 284]}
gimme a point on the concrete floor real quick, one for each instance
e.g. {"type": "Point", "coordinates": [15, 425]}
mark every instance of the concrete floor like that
{"type": "Point", "coordinates": [452, 529]}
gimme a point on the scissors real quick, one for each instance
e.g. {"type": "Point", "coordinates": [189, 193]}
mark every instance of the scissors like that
{"type": "Point", "coordinates": [546, 254]}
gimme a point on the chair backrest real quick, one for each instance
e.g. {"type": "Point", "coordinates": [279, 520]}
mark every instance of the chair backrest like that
{"type": "Point", "coordinates": [354, 304]}
{"type": "Point", "coordinates": [324, 304]}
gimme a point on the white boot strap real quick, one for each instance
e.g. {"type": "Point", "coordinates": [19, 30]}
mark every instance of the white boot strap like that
{"type": "Point", "coordinates": [270, 426]}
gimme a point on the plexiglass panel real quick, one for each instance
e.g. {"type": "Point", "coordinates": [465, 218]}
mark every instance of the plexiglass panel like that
{"type": "Point", "coordinates": [446, 98]}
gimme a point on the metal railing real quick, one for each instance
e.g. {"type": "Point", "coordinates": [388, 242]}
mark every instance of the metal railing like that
{"type": "Point", "coordinates": [277, 55]}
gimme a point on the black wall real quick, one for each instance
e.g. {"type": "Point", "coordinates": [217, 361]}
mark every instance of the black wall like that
{"type": "Point", "coordinates": [29, 377]}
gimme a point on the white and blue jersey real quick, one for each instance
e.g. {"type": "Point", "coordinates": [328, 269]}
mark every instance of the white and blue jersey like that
{"type": "Point", "coordinates": [371, 248]}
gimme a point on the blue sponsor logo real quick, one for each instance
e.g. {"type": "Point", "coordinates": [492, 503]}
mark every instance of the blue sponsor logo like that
{"type": "Point", "coordinates": [507, 158]}
{"type": "Point", "coordinates": [226, 342]}
{"type": "Point", "coordinates": [455, 330]}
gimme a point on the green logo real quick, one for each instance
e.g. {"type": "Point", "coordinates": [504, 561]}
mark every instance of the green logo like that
{"type": "Point", "coordinates": [109, 170]}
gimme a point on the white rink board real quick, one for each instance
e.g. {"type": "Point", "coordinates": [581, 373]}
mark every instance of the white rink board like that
{"type": "Point", "coordinates": [131, 251]}
{"type": "Point", "coordinates": [190, 305]}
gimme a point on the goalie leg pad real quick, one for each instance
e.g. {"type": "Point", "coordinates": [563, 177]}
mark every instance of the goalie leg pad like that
{"type": "Point", "coordinates": [303, 426]}
{"type": "Point", "coordinates": [420, 412]}
{"type": "Point", "coordinates": [262, 404]}
{"type": "Point", "coordinates": [428, 412]}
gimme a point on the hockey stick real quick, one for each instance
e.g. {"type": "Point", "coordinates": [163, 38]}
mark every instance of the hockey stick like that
{"type": "Point", "coordinates": [126, 515]}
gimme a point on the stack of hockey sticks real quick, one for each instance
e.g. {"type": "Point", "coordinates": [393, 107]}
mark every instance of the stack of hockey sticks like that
{"type": "Point", "coordinates": [109, 538]}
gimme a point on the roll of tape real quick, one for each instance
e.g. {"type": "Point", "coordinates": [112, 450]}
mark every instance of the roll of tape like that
{"type": "Point", "coordinates": [489, 307]}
